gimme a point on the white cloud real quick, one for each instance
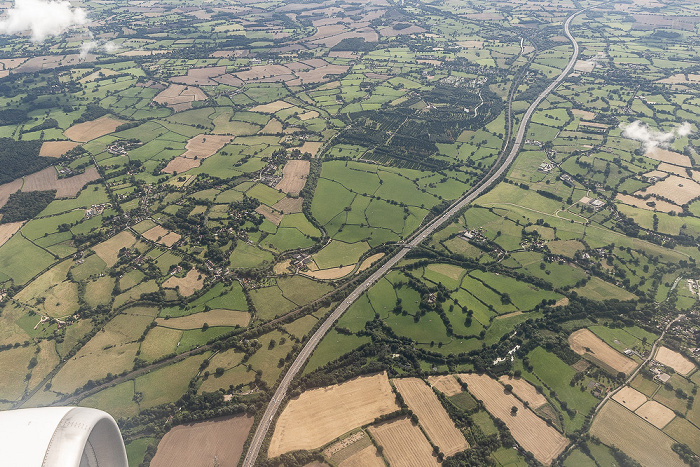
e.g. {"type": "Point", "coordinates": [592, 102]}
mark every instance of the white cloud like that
{"type": "Point", "coordinates": [86, 47]}
{"type": "Point", "coordinates": [42, 18]}
{"type": "Point", "coordinates": [110, 47]}
{"type": "Point", "coordinates": [640, 131]}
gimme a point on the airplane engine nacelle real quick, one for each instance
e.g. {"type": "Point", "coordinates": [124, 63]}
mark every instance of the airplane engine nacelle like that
{"type": "Point", "coordinates": [60, 437]}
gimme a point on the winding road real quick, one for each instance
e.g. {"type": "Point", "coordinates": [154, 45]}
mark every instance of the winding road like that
{"type": "Point", "coordinates": [279, 396]}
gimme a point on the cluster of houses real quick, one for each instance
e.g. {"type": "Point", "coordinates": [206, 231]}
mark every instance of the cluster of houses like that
{"type": "Point", "coordinates": [95, 210]}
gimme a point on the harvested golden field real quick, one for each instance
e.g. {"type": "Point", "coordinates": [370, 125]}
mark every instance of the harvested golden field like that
{"type": "Point", "coordinates": [178, 94]}
{"type": "Point", "coordinates": [56, 148]}
{"type": "Point", "coordinates": [585, 114]}
{"type": "Point", "coordinates": [404, 444]}
{"type": "Point", "coordinates": [272, 107]}
{"type": "Point", "coordinates": [154, 234]}
{"type": "Point", "coordinates": [657, 414]}
{"type": "Point", "coordinates": [525, 391]}
{"type": "Point", "coordinates": [288, 205]}
{"type": "Point", "coordinates": [214, 442]}
{"type": "Point", "coordinates": [180, 165]}
{"type": "Point", "coordinates": [108, 250]}
{"type": "Point", "coordinates": [671, 358]}
{"type": "Point", "coordinates": [587, 344]}
{"type": "Point", "coordinates": [6, 189]}
{"type": "Point", "coordinates": [678, 189]}
{"type": "Point", "coordinates": [446, 384]}
{"type": "Point", "coordinates": [432, 416]}
{"type": "Point", "coordinates": [8, 230]}
{"type": "Point", "coordinates": [529, 430]}
{"type": "Point", "coordinates": [268, 213]}
{"type": "Point", "coordinates": [308, 115]}
{"type": "Point", "coordinates": [370, 261]}
{"type": "Point", "coordinates": [203, 146]}
{"type": "Point", "coordinates": [616, 426]}
{"type": "Point", "coordinates": [659, 204]}
{"type": "Point", "coordinates": [664, 155]}
{"type": "Point", "coordinates": [218, 317]}
{"type": "Point", "coordinates": [162, 235]}
{"type": "Point", "coordinates": [681, 78]}
{"type": "Point", "coordinates": [194, 280]}
{"type": "Point", "coordinates": [584, 65]}
{"type": "Point", "coordinates": [367, 457]}
{"type": "Point", "coordinates": [311, 147]}
{"type": "Point", "coordinates": [330, 273]}
{"type": "Point", "coordinates": [294, 176]}
{"type": "Point", "coordinates": [47, 179]}
{"type": "Point", "coordinates": [630, 398]}
{"type": "Point", "coordinates": [321, 415]}
{"type": "Point", "coordinates": [266, 73]}
{"type": "Point", "coordinates": [87, 131]}
{"type": "Point", "coordinates": [273, 127]}
{"type": "Point", "coordinates": [200, 76]}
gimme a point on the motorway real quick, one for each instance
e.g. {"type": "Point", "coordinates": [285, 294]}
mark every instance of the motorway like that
{"type": "Point", "coordinates": [279, 396]}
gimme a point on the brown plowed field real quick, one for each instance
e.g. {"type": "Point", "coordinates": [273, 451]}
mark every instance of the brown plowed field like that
{"type": "Point", "coordinates": [404, 444]}
{"type": "Point", "coordinates": [616, 426]}
{"type": "Point", "coordinates": [671, 358]}
{"type": "Point", "coordinates": [84, 132]}
{"type": "Point", "coordinates": [200, 444]}
{"type": "Point", "coordinates": [56, 148]}
{"type": "Point", "coordinates": [446, 384]}
{"type": "Point", "coordinates": [657, 414]}
{"type": "Point", "coordinates": [630, 398]}
{"type": "Point", "coordinates": [432, 416]}
{"type": "Point", "coordinates": [585, 343]}
{"type": "Point", "coordinates": [294, 176]}
{"type": "Point", "coordinates": [321, 415]}
{"type": "Point", "coordinates": [47, 179]}
{"type": "Point", "coordinates": [525, 391]}
{"type": "Point", "coordinates": [529, 430]}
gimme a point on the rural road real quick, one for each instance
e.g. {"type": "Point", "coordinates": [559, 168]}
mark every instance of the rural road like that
{"type": "Point", "coordinates": [651, 355]}
{"type": "Point", "coordinates": [274, 405]}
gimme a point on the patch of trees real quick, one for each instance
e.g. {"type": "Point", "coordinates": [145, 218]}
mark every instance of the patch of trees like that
{"type": "Point", "coordinates": [92, 112]}
{"type": "Point", "coordinates": [20, 158]}
{"type": "Point", "coordinates": [45, 125]}
{"type": "Point", "coordinates": [22, 206]}
{"type": "Point", "coordinates": [12, 116]}
{"type": "Point", "coordinates": [354, 44]}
